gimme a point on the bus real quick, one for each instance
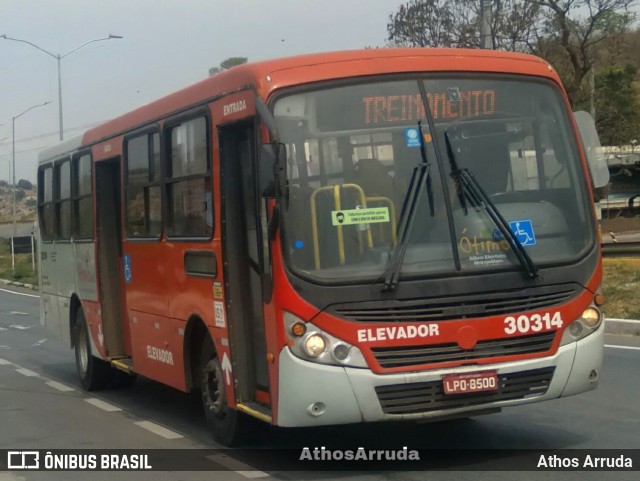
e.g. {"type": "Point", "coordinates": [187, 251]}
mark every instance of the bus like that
{"type": "Point", "coordinates": [347, 237]}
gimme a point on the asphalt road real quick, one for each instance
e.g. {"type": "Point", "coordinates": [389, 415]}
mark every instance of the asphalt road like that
{"type": "Point", "coordinates": [43, 407]}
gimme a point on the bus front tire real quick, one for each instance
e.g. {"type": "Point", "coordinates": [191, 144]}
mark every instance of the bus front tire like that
{"type": "Point", "coordinates": [227, 425]}
{"type": "Point", "coordinates": [93, 372]}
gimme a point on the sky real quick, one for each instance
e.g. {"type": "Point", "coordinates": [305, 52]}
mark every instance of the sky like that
{"type": "Point", "coordinates": [167, 45]}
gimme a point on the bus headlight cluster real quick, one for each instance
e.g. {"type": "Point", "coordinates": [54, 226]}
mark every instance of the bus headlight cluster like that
{"type": "Point", "coordinates": [311, 343]}
{"type": "Point", "coordinates": [314, 345]}
{"type": "Point", "coordinates": [588, 322]}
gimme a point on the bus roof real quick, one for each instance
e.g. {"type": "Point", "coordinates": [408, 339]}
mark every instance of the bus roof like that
{"type": "Point", "coordinates": [270, 75]}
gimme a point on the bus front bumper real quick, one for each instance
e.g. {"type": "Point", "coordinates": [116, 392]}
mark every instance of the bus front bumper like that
{"type": "Point", "coordinates": [313, 394]}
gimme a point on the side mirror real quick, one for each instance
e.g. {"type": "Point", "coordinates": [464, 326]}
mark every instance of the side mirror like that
{"type": "Point", "coordinates": [593, 150]}
{"type": "Point", "coordinates": [273, 171]}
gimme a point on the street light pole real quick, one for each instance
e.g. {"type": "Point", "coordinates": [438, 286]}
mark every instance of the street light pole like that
{"type": "Point", "coordinates": [59, 58]}
{"type": "Point", "coordinates": [13, 164]}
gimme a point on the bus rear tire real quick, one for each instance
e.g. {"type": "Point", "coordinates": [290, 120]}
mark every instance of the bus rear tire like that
{"type": "Point", "coordinates": [93, 372]}
{"type": "Point", "coordinates": [229, 427]}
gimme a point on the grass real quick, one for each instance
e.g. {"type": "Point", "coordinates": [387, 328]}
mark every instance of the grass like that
{"type": "Point", "coordinates": [621, 288]}
{"type": "Point", "coordinates": [23, 269]}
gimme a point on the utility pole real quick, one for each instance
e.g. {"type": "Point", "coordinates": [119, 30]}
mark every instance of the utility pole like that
{"type": "Point", "coordinates": [485, 14]}
{"type": "Point", "coordinates": [59, 58]}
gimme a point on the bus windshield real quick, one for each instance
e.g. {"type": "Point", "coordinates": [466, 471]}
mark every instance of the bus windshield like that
{"type": "Point", "coordinates": [352, 151]}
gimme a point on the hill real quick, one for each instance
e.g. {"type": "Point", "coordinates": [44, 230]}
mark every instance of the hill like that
{"type": "Point", "coordinates": [26, 203]}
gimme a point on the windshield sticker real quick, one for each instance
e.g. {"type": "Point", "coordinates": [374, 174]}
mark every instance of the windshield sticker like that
{"type": "Point", "coordinates": [483, 250]}
{"type": "Point", "coordinates": [480, 245]}
{"type": "Point", "coordinates": [412, 137]}
{"type": "Point", "coordinates": [489, 248]}
{"type": "Point", "coordinates": [360, 216]}
{"type": "Point", "coordinates": [523, 229]}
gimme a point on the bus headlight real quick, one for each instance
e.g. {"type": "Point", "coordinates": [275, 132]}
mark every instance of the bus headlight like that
{"type": "Point", "coordinates": [311, 343]}
{"type": "Point", "coordinates": [590, 317]}
{"type": "Point", "coordinates": [588, 322]}
{"type": "Point", "coordinates": [314, 345]}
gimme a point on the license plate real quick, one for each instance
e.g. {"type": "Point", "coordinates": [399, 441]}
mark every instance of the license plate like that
{"type": "Point", "coordinates": [486, 381]}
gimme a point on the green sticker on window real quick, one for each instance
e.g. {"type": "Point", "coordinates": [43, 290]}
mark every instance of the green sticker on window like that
{"type": "Point", "coordinates": [360, 216]}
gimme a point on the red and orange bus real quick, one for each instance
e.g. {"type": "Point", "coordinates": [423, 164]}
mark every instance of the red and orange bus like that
{"type": "Point", "coordinates": [336, 238]}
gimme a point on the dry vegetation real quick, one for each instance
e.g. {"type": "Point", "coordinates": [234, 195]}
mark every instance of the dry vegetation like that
{"type": "Point", "coordinates": [23, 269]}
{"type": "Point", "coordinates": [621, 286]}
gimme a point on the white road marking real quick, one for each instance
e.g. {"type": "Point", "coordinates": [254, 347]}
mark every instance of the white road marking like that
{"type": "Point", "coordinates": [18, 293]}
{"type": "Point", "coordinates": [27, 372]}
{"type": "Point", "coordinates": [620, 320]}
{"type": "Point", "coordinates": [39, 343]}
{"type": "Point", "coordinates": [237, 466]}
{"type": "Point", "coordinates": [159, 430]}
{"type": "Point", "coordinates": [17, 326]}
{"type": "Point", "coordinates": [18, 313]}
{"type": "Point", "coordinates": [4, 362]}
{"type": "Point", "coordinates": [6, 347]}
{"type": "Point", "coordinates": [110, 408]}
{"type": "Point", "coordinates": [253, 474]}
{"type": "Point", "coordinates": [59, 386]}
{"type": "Point", "coordinates": [623, 347]}
{"type": "Point", "coordinates": [3, 328]}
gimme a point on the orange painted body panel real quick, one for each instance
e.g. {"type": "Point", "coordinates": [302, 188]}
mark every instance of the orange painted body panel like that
{"type": "Point", "coordinates": [157, 351]}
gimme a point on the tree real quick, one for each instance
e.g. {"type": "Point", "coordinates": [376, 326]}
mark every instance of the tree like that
{"type": "Point", "coordinates": [617, 106]}
{"type": "Point", "coordinates": [443, 23]}
{"type": "Point", "coordinates": [25, 184]}
{"type": "Point", "coordinates": [571, 31]}
{"type": "Point", "coordinates": [569, 34]}
{"type": "Point", "coordinates": [227, 64]}
{"type": "Point", "coordinates": [422, 24]}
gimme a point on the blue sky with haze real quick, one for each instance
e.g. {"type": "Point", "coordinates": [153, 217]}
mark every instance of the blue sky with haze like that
{"type": "Point", "coordinates": [167, 45]}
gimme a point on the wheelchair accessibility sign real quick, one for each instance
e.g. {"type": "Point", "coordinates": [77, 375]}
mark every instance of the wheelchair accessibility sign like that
{"type": "Point", "coordinates": [127, 268]}
{"type": "Point", "coordinates": [523, 229]}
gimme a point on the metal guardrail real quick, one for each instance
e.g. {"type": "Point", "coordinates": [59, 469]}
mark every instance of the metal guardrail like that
{"type": "Point", "coordinates": [621, 249]}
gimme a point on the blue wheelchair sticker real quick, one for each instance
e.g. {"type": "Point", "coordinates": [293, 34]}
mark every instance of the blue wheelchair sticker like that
{"type": "Point", "coordinates": [523, 229]}
{"type": "Point", "coordinates": [412, 137]}
{"type": "Point", "coordinates": [127, 268]}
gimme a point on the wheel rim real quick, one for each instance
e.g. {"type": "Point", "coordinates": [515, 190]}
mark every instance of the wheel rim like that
{"type": "Point", "coordinates": [215, 399]}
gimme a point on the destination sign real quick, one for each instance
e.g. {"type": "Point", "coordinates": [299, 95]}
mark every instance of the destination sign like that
{"type": "Point", "coordinates": [403, 108]}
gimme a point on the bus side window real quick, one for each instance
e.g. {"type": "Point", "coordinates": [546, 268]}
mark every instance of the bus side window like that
{"type": "Point", "coordinates": [45, 202]}
{"type": "Point", "coordinates": [142, 184]}
{"type": "Point", "coordinates": [189, 191]}
{"type": "Point", "coordinates": [62, 190]}
{"type": "Point", "coordinates": [82, 197]}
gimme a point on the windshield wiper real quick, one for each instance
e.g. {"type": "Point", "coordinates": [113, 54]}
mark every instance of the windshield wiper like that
{"type": "Point", "coordinates": [421, 173]}
{"type": "Point", "coordinates": [467, 186]}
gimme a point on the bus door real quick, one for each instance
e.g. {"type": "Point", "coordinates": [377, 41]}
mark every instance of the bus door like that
{"type": "Point", "coordinates": [109, 253]}
{"type": "Point", "coordinates": [243, 256]}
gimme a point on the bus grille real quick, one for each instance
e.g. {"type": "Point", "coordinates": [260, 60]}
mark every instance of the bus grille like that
{"type": "Point", "coordinates": [424, 397]}
{"type": "Point", "coordinates": [456, 307]}
{"type": "Point", "coordinates": [389, 357]}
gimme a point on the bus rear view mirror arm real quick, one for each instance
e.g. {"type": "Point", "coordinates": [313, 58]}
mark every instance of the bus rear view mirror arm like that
{"type": "Point", "coordinates": [273, 173]}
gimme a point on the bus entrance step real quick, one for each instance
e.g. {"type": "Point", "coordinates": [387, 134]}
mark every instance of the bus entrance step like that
{"type": "Point", "coordinates": [256, 410]}
{"type": "Point", "coordinates": [124, 364]}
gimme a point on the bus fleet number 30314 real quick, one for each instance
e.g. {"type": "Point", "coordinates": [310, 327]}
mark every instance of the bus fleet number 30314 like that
{"type": "Point", "coordinates": [534, 323]}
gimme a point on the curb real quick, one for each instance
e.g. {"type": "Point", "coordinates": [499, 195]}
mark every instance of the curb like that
{"type": "Point", "coordinates": [627, 327]}
{"type": "Point", "coordinates": [18, 284]}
